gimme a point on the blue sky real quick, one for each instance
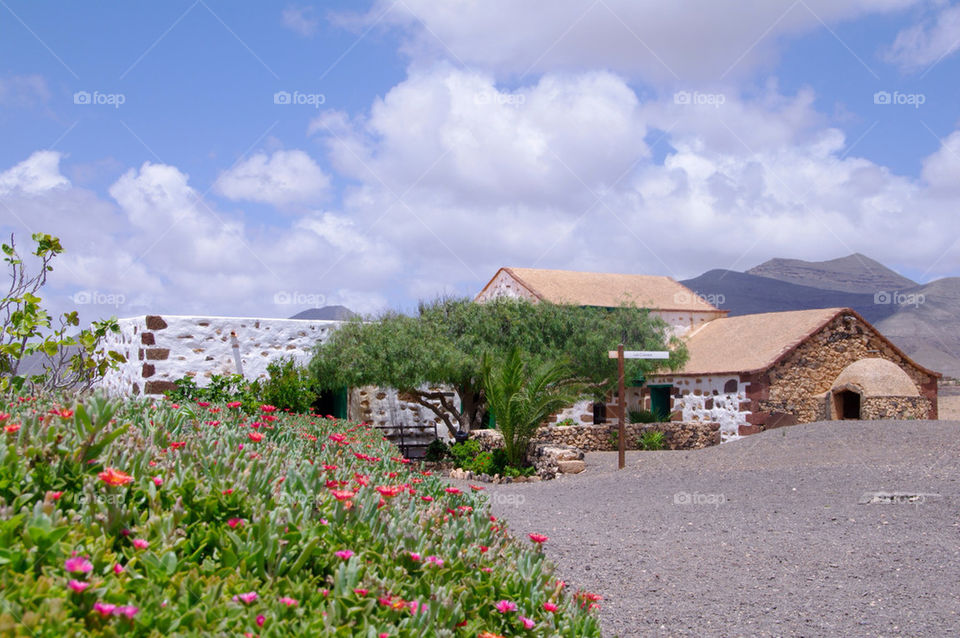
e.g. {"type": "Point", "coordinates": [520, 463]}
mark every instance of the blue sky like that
{"type": "Point", "coordinates": [432, 145]}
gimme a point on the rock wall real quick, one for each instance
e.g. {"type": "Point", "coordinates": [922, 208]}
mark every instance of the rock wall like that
{"type": "Point", "coordinates": [894, 407]}
{"type": "Point", "coordinates": [795, 385]}
{"type": "Point", "coordinates": [161, 349]}
{"type": "Point", "coordinates": [594, 438]}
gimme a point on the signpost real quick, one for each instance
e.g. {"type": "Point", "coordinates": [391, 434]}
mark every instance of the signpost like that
{"type": "Point", "coordinates": [619, 354]}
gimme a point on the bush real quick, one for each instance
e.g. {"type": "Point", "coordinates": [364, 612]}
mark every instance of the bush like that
{"type": "Point", "coordinates": [643, 416]}
{"type": "Point", "coordinates": [140, 519]}
{"type": "Point", "coordinates": [289, 387]}
{"type": "Point", "coordinates": [651, 440]}
{"type": "Point", "coordinates": [436, 451]}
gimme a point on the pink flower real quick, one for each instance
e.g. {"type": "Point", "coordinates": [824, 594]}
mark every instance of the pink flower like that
{"type": "Point", "coordinates": [260, 620]}
{"type": "Point", "coordinates": [345, 554]}
{"type": "Point", "coordinates": [78, 564]}
{"type": "Point", "coordinates": [246, 598]}
{"type": "Point", "coordinates": [289, 602]}
{"type": "Point", "coordinates": [105, 609]}
{"type": "Point", "coordinates": [505, 606]}
{"type": "Point", "coordinates": [235, 522]}
{"type": "Point", "coordinates": [77, 585]}
{"type": "Point", "coordinates": [267, 408]}
{"type": "Point", "coordinates": [234, 404]}
{"type": "Point", "coordinates": [414, 556]}
{"type": "Point", "coordinates": [139, 543]}
{"type": "Point", "coordinates": [550, 607]}
{"type": "Point", "coordinates": [452, 490]}
{"type": "Point", "coordinates": [360, 591]}
{"type": "Point", "coordinates": [527, 623]}
{"type": "Point", "coordinates": [118, 569]}
{"type": "Point", "coordinates": [538, 538]}
{"type": "Point", "coordinates": [126, 610]}
{"type": "Point", "coordinates": [436, 560]}
{"type": "Point", "coordinates": [158, 480]}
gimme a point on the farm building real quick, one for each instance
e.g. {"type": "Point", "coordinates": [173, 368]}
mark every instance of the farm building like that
{"type": "Point", "coordinates": [750, 372]}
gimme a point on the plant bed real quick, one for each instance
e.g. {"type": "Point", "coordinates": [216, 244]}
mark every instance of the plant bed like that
{"type": "Point", "coordinates": [147, 519]}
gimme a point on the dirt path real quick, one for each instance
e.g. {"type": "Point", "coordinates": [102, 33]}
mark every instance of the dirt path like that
{"type": "Point", "coordinates": [763, 536]}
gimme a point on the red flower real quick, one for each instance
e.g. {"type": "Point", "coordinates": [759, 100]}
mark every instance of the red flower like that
{"type": "Point", "coordinates": [176, 445]}
{"type": "Point", "coordinates": [256, 437]}
{"type": "Point", "coordinates": [235, 522]}
{"type": "Point", "coordinates": [477, 488]}
{"type": "Point", "coordinates": [538, 538]}
{"type": "Point", "coordinates": [114, 477]}
{"type": "Point", "coordinates": [342, 495]}
{"type": "Point", "coordinates": [234, 404]}
{"type": "Point", "coordinates": [10, 429]}
{"type": "Point", "coordinates": [267, 408]}
{"type": "Point", "coordinates": [452, 490]}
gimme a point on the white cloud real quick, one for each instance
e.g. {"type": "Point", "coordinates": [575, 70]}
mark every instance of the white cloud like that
{"type": "Point", "coordinates": [300, 20]}
{"type": "Point", "coordinates": [941, 170]}
{"type": "Point", "coordinates": [673, 42]}
{"type": "Point", "coordinates": [38, 173]}
{"type": "Point", "coordinates": [281, 179]}
{"type": "Point", "coordinates": [23, 90]}
{"type": "Point", "coordinates": [924, 44]}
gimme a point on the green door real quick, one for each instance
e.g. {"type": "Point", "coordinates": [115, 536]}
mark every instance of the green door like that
{"type": "Point", "coordinates": [660, 401]}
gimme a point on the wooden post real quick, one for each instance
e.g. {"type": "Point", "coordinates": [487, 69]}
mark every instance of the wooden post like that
{"type": "Point", "coordinates": [621, 403]}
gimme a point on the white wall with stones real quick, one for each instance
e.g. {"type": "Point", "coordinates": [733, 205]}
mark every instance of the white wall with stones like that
{"type": "Point", "coordinates": [711, 399]}
{"type": "Point", "coordinates": [162, 349]}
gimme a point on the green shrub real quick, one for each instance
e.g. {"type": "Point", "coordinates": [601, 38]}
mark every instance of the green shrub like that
{"type": "Point", "coordinates": [289, 387]}
{"type": "Point", "coordinates": [651, 440]}
{"type": "Point", "coordinates": [436, 451]}
{"type": "Point", "coordinates": [643, 416]}
{"type": "Point", "coordinates": [464, 453]}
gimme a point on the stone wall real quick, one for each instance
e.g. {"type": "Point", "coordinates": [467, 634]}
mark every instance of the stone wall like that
{"type": "Point", "coordinates": [593, 438]}
{"type": "Point", "coordinates": [894, 407]}
{"type": "Point", "coordinates": [162, 349]}
{"type": "Point", "coordinates": [710, 399]}
{"type": "Point", "coordinates": [795, 385]}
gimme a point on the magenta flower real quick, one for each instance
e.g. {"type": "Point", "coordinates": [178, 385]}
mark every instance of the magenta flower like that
{"type": "Point", "coordinates": [436, 560]}
{"type": "Point", "coordinates": [527, 623]}
{"type": "Point", "coordinates": [158, 480]}
{"type": "Point", "coordinates": [505, 606]}
{"type": "Point", "coordinates": [126, 610]}
{"type": "Point", "coordinates": [118, 568]}
{"type": "Point", "coordinates": [139, 543]}
{"type": "Point", "coordinates": [246, 598]}
{"type": "Point", "coordinates": [260, 620]}
{"type": "Point", "coordinates": [414, 556]}
{"type": "Point", "coordinates": [345, 554]}
{"type": "Point", "coordinates": [78, 564]}
{"type": "Point", "coordinates": [289, 602]}
{"type": "Point", "coordinates": [77, 585]}
{"type": "Point", "coordinates": [105, 609]}
{"type": "Point", "coordinates": [550, 607]}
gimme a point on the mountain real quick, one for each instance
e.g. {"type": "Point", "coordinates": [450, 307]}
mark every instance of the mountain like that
{"type": "Point", "coordinates": [855, 273]}
{"type": "Point", "coordinates": [327, 313]}
{"type": "Point", "coordinates": [923, 320]}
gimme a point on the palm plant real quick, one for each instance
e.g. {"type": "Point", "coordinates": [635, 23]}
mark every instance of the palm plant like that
{"type": "Point", "coordinates": [523, 395]}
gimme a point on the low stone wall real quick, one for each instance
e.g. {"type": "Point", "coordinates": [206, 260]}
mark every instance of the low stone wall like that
{"type": "Point", "coordinates": [597, 438]}
{"type": "Point", "coordinates": [894, 408]}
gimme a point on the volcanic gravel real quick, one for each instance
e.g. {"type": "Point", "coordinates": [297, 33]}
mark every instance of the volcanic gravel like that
{"type": "Point", "coordinates": [764, 536]}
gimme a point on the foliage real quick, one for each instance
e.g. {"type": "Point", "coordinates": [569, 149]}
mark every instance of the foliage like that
{"type": "Point", "coordinates": [643, 416]}
{"type": "Point", "coordinates": [566, 423]}
{"type": "Point", "coordinates": [288, 387]}
{"type": "Point", "coordinates": [447, 340]}
{"type": "Point", "coordinates": [436, 451]}
{"type": "Point", "coordinates": [651, 440]}
{"type": "Point", "coordinates": [523, 395]}
{"type": "Point", "coordinates": [143, 519]}
{"type": "Point", "coordinates": [26, 329]}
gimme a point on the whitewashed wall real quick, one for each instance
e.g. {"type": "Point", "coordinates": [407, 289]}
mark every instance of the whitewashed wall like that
{"type": "Point", "coordinates": [162, 349]}
{"type": "Point", "coordinates": [706, 399]}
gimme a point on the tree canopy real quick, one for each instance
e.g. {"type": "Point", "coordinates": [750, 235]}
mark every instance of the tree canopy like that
{"type": "Point", "coordinates": [442, 348]}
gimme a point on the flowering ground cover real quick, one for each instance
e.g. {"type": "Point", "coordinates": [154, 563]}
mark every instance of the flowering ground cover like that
{"type": "Point", "coordinates": [136, 518]}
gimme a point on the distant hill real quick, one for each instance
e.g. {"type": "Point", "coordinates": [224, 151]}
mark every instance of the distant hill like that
{"type": "Point", "coordinates": [922, 319]}
{"type": "Point", "coordinates": [855, 273]}
{"type": "Point", "coordinates": [327, 313]}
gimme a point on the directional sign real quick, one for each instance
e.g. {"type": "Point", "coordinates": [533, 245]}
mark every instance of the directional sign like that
{"type": "Point", "coordinates": [640, 354]}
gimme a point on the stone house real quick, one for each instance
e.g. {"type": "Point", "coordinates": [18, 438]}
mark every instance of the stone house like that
{"type": "Point", "coordinates": [747, 373]}
{"type": "Point", "coordinates": [760, 371]}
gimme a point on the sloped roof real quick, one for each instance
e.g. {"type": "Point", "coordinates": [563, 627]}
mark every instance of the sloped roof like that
{"type": "Point", "coordinates": [608, 290]}
{"type": "Point", "coordinates": [877, 378]}
{"type": "Point", "coordinates": [753, 343]}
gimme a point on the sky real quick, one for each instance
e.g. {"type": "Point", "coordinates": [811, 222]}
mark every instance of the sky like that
{"type": "Point", "coordinates": [256, 159]}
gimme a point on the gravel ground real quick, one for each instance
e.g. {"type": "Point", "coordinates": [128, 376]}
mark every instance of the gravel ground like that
{"type": "Point", "coordinates": [764, 536]}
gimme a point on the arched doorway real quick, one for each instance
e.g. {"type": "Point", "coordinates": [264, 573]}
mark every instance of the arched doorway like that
{"type": "Point", "coordinates": [846, 404]}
